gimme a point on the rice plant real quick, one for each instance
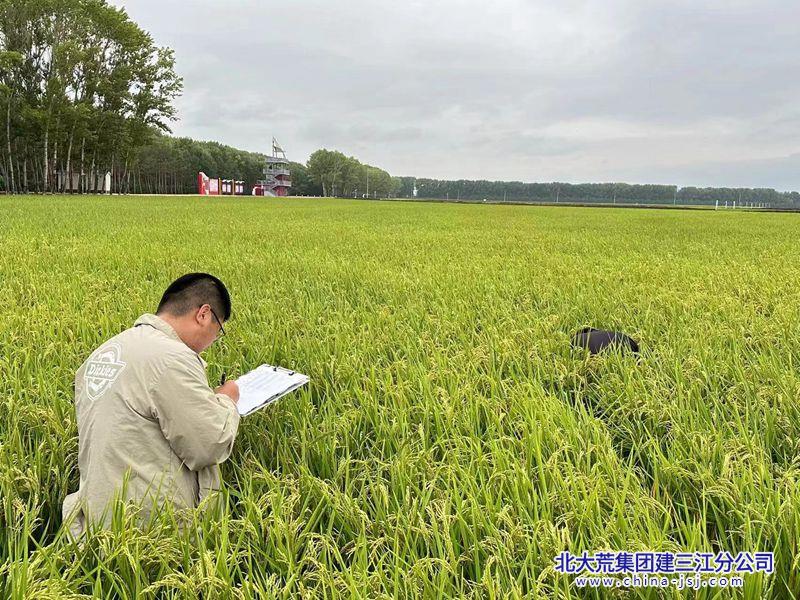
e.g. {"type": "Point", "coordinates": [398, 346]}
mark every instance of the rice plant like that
{"type": "Point", "coordinates": [451, 443]}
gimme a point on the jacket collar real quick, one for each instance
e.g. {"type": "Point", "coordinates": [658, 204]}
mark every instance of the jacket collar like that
{"type": "Point", "coordinates": [165, 328]}
{"type": "Point", "coordinates": [157, 323]}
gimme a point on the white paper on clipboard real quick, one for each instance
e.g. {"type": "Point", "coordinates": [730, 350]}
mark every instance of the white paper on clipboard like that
{"type": "Point", "coordinates": [264, 385]}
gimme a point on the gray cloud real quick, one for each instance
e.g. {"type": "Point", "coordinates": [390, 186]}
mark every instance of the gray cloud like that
{"type": "Point", "coordinates": [674, 91]}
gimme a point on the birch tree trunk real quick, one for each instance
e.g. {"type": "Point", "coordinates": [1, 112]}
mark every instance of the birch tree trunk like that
{"type": "Point", "coordinates": [82, 176]}
{"type": "Point", "coordinates": [68, 168]}
{"type": "Point", "coordinates": [9, 183]}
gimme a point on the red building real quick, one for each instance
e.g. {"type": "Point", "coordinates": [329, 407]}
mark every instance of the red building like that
{"type": "Point", "coordinates": [277, 176]}
{"type": "Point", "coordinates": [214, 186]}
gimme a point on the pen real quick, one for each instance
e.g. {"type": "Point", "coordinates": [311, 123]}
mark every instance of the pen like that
{"type": "Point", "coordinates": [222, 379]}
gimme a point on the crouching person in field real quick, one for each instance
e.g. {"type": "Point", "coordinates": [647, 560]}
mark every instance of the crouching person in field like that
{"type": "Point", "coordinates": [150, 429]}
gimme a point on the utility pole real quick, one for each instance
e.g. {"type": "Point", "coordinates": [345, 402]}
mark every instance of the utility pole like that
{"type": "Point", "coordinates": [368, 183]}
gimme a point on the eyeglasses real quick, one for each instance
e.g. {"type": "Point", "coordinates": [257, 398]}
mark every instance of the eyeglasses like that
{"type": "Point", "coordinates": [221, 328]}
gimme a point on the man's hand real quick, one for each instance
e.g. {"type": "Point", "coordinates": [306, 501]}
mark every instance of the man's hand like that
{"type": "Point", "coordinates": [230, 389]}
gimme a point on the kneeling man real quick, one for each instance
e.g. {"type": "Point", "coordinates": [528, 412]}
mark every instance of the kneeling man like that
{"type": "Point", "coordinates": [147, 417]}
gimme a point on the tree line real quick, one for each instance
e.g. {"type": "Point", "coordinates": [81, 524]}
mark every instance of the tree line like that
{"type": "Point", "coordinates": [340, 175]}
{"type": "Point", "coordinates": [84, 91]}
{"type": "Point", "coordinates": [83, 88]}
{"type": "Point", "coordinates": [169, 165]}
{"type": "Point", "coordinates": [620, 193]}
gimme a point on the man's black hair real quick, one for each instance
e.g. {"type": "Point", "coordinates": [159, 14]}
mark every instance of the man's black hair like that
{"type": "Point", "coordinates": [597, 340]}
{"type": "Point", "coordinates": [189, 292]}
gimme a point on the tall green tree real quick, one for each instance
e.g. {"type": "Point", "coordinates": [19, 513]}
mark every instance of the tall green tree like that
{"type": "Point", "coordinates": [82, 83]}
{"type": "Point", "coordinates": [325, 167]}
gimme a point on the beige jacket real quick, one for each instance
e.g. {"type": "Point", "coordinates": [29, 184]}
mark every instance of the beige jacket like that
{"type": "Point", "coordinates": [147, 416]}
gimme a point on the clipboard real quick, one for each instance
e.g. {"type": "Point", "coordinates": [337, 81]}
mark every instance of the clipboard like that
{"type": "Point", "coordinates": [264, 385]}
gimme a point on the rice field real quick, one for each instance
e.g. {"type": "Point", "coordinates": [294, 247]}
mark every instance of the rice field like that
{"type": "Point", "coordinates": [451, 443]}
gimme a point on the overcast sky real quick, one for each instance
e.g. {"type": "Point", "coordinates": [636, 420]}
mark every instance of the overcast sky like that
{"type": "Point", "coordinates": [686, 92]}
